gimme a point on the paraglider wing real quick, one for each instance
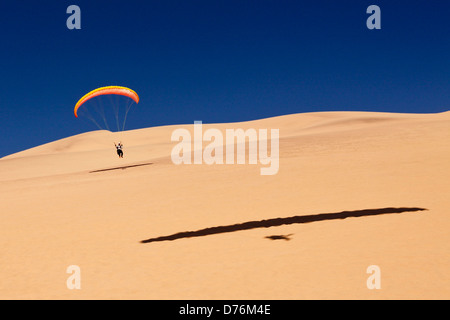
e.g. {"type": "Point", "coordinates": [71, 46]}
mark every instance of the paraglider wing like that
{"type": "Point", "coordinates": [106, 90]}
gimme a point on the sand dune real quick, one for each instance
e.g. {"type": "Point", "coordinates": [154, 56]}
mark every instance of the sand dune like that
{"type": "Point", "coordinates": [353, 189]}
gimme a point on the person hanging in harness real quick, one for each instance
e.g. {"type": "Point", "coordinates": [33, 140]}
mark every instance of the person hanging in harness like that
{"type": "Point", "coordinates": [119, 147]}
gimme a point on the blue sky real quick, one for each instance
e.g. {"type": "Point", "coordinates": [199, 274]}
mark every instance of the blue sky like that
{"type": "Point", "coordinates": [217, 61]}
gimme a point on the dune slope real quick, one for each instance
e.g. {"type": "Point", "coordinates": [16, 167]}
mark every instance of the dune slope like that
{"type": "Point", "coordinates": [354, 189]}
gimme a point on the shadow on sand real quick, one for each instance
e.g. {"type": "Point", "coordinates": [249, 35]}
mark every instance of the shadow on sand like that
{"type": "Point", "coordinates": [281, 221]}
{"type": "Point", "coordinates": [123, 167]}
{"type": "Point", "coordinates": [286, 237]}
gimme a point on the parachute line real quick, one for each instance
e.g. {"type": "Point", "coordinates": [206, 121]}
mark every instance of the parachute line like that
{"type": "Point", "coordinates": [89, 116]}
{"type": "Point", "coordinates": [115, 106]}
{"type": "Point", "coordinates": [101, 111]}
{"type": "Point", "coordinates": [126, 114]}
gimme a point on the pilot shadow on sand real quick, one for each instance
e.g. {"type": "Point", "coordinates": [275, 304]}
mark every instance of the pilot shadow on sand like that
{"type": "Point", "coordinates": [281, 221]}
{"type": "Point", "coordinates": [286, 237]}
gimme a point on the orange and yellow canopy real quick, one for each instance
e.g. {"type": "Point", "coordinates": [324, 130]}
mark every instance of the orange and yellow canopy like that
{"type": "Point", "coordinates": [106, 90]}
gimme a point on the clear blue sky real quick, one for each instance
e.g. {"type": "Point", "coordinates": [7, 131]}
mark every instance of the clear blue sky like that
{"type": "Point", "coordinates": [217, 60]}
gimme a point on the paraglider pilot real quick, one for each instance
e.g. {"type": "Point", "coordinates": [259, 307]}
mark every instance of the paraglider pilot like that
{"type": "Point", "coordinates": [119, 147]}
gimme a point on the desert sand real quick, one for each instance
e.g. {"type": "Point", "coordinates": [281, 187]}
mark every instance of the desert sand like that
{"type": "Point", "coordinates": [142, 227]}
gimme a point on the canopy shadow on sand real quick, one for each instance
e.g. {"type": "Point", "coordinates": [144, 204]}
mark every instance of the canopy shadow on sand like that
{"type": "Point", "coordinates": [122, 167]}
{"type": "Point", "coordinates": [281, 221]}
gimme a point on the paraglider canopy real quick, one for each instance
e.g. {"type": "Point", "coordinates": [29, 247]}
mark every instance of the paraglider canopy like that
{"type": "Point", "coordinates": [107, 90]}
